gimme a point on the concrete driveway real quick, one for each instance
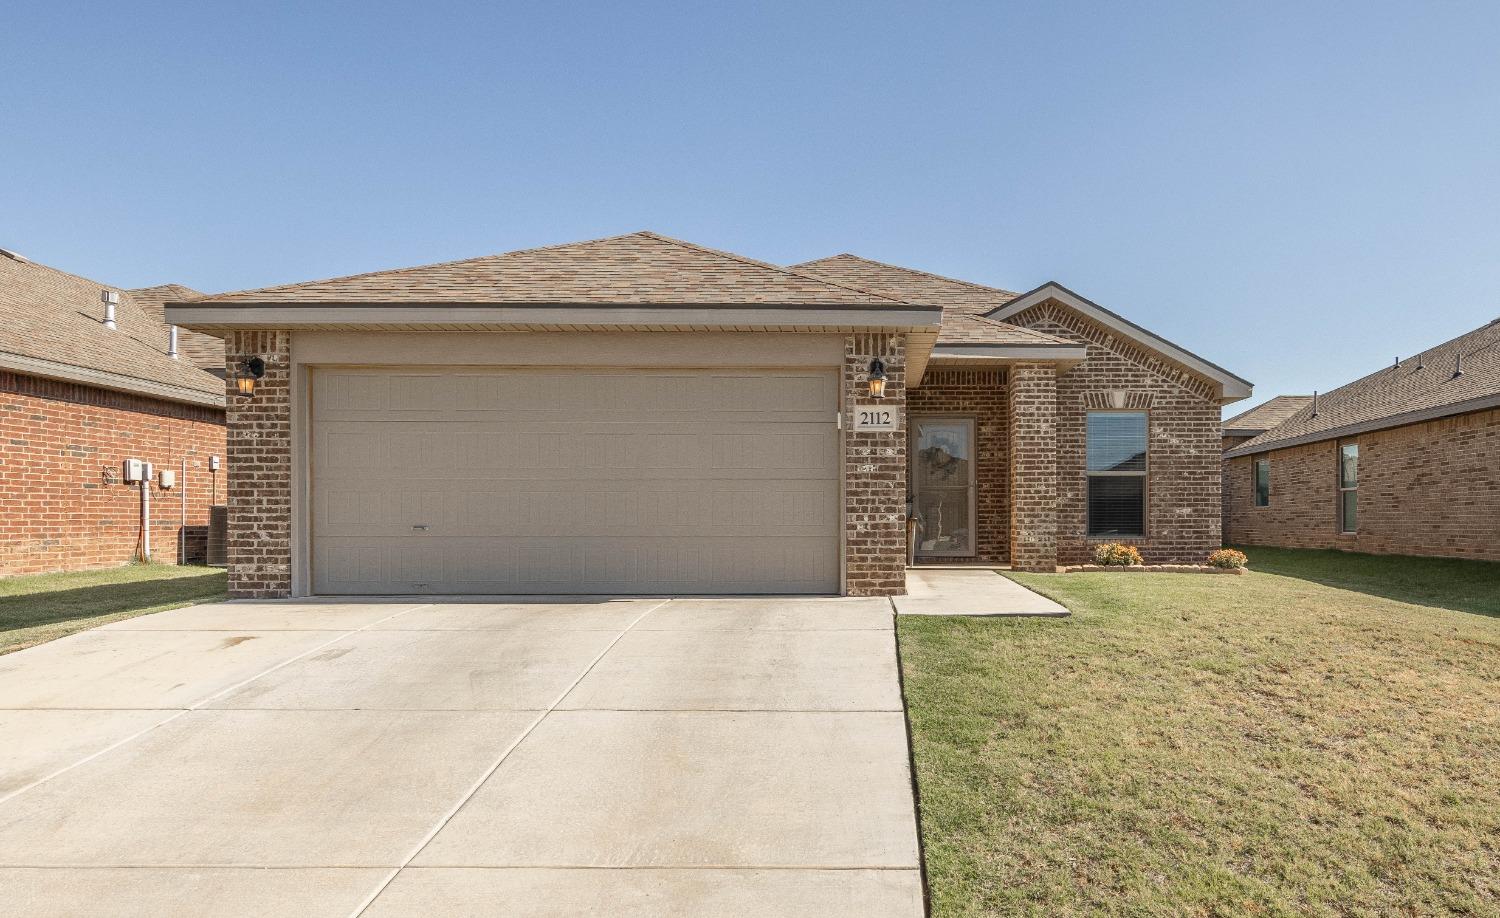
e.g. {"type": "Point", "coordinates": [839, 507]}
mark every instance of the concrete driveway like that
{"type": "Point", "coordinates": [612, 757]}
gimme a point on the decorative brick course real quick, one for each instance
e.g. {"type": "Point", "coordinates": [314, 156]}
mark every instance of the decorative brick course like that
{"type": "Point", "coordinates": [66, 506]}
{"type": "Point", "coordinates": [979, 394]}
{"type": "Point", "coordinates": [260, 469]}
{"type": "Point", "coordinates": [1424, 489]}
{"type": "Point", "coordinates": [874, 472]}
{"type": "Point", "coordinates": [1184, 461]}
{"type": "Point", "coordinates": [1032, 391]}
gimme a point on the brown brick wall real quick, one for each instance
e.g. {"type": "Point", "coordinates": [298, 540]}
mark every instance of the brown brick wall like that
{"type": "Point", "coordinates": [981, 395]}
{"type": "Point", "coordinates": [1184, 459]}
{"type": "Point", "coordinates": [1033, 405]}
{"type": "Point", "coordinates": [1424, 489]}
{"type": "Point", "coordinates": [260, 469]}
{"type": "Point", "coordinates": [66, 506]}
{"type": "Point", "coordinates": [874, 473]}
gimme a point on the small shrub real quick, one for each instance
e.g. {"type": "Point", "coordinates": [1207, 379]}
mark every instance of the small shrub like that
{"type": "Point", "coordinates": [1116, 554]}
{"type": "Point", "coordinates": [1228, 557]}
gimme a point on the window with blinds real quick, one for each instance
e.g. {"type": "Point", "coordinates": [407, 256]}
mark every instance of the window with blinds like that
{"type": "Point", "coordinates": [1117, 473]}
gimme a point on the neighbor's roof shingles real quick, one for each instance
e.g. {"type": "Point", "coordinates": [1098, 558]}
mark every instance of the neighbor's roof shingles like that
{"type": "Point", "coordinates": [639, 268]}
{"type": "Point", "coordinates": [962, 301]}
{"type": "Point", "coordinates": [1265, 416]}
{"type": "Point", "coordinates": [202, 350]}
{"type": "Point", "coordinates": [1418, 388]}
{"type": "Point", "coordinates": [56, 317]}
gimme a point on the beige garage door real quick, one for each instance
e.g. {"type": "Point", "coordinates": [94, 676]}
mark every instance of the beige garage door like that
{"type": "Point", "coordinates": [574, 481]}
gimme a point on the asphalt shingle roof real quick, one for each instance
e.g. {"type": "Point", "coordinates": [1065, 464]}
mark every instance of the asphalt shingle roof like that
{"type": "Point", "coordinates": [202, 350]}
{"type": "Point", "coordinates": [638, 268]}
{"type": "Point", "coordinates": [1267, 415]}
{"type": "Point", "coordinates": [57, 317]}
{"type": "Point", "coordinates": [962, 301]}
{"type": "Point", "coordinates": [1424, 383]}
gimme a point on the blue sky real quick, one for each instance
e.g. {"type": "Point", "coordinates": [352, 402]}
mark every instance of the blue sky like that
{"type": "Point", "coordinates": [1297, 191]}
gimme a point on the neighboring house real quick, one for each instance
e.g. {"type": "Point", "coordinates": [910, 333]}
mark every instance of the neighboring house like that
{"type": "Point", "coordinates": [643, 415]}
{"type": "Point", "coordinates": [1250, 424]}
{"type": "Point", "coordinates": [84, 385]}
{"type": "Point", "coordinates": [1403, 461]}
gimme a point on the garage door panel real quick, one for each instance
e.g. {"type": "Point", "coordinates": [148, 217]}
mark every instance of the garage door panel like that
{"type": "Point", "coordinates": [553, 481]}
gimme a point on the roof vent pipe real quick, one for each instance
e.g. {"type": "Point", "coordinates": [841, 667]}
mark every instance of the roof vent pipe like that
{"type": "Point", "coordinates": [1398, 364]}
{"type": "Point", "coordinates": [172, 342]}
{"type": "Point", "coordinates": [1422, 361]}
{"type": "Point", "coordinates": [110, 298]}
{"type": "Point", "coordinates": [1458, 365]}
{"type": "Point", "coordinates": [1315, 404]}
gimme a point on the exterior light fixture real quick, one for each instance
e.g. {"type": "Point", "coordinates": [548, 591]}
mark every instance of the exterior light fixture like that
{"type": "Point", "coordinates": [877, 378]}
{"type": "Point", "coordinates": [252, 369]}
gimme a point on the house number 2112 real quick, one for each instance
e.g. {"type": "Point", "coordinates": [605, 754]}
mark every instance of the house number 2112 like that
{"type": "Point", "coordinates": [875, 418]}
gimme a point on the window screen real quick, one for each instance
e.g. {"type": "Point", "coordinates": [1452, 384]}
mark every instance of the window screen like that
{"type": "Point", "coordinates": [1117, 473]}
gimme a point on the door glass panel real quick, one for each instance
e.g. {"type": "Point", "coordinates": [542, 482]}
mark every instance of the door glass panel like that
{"type": "Point", "coordinates": [943, 487]}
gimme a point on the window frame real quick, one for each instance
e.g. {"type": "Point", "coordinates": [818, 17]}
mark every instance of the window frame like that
{"type": "Point", "coordinates": [1144, 475]}
{"type": "Point", "coordinates": [1343, 489]}
{"type": "Point", "coordinates": [1255, 466]}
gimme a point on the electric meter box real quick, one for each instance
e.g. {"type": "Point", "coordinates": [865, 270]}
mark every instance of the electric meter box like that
{"type": "Point", "coordinates": [167, 478]}
{"type": "Point", "coordinates": [134, 470]}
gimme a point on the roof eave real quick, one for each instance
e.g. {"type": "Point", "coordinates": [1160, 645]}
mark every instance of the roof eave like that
{"type": "Point", "coordinates": [1348, 430]}
{"type": "Point", "coordinates": [1232, 388]}
{"type": "Point", "coordinates": [220, 317]}
{"type": "Point", "coordinates": [102, 379]}
{"type": "Point", "coordinates": [1064, 355]}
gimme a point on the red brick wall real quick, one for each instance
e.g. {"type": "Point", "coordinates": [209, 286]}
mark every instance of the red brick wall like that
{"type": "Point", "coordinates": [1424, 489]}
{"type": "Point", "coordinates": [978, 394]}
{"type": "Point", "coordinates": [260, 473]}
{"type": "Point", "coordinates": [1184, 458]}
{"type": "Point", "coordinates": [66, 506]}
{"type": "Point", "coordinates": [874, 473]}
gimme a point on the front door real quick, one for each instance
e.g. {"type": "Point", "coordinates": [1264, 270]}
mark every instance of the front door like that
{"type": "Point", "coordinates": [942, 481]}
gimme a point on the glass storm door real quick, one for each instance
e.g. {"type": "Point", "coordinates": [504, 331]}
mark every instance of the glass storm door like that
{"type": "Point", "coordinates": [942, 481]}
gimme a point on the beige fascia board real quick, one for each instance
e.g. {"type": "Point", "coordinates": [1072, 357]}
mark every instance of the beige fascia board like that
{"type": "Point", "coordinates": [1065, 356]}
{"type": "Point", "coordinates": [207, 317]}
{"type": "Point", "coordinates": [101, 379]}
{"type": "Point", "coordinates": [1233, 387]}
{"type": "Point", "coordinates": [1349, 430]}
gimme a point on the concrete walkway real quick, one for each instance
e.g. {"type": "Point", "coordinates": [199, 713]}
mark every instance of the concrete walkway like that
{"type": "Point", "coordinates": [623, 757]}
{"type": "Point", "coordinates": [970, 591]}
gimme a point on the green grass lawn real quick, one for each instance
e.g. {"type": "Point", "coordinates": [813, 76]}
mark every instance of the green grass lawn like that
{"type": "Point", "coordinates": [47, 606]}
{"type": "Point", "coordinates": [1320, 737]}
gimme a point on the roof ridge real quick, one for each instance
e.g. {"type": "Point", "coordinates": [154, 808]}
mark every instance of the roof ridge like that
{"type": "Point", "coordinates": [766, 264]}
{"type": "Point", "coordinates": [934, 276]}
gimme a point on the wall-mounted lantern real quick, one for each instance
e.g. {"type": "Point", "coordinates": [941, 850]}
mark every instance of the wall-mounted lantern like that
{"type": "Point", "coordinates": [251, 369]}
{"type": "Point", "coordinates": [877, 378]}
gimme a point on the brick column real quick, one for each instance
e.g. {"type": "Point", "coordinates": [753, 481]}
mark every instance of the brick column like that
{"type": "Point", "coordinates": [259, 460]}
{"type": "Point", "coordinates": [1033, 467]}
{"type": "Point", "coordinates": [874, 472]}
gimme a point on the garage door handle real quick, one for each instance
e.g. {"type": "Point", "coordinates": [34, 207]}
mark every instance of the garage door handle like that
{"type": "Point", "coordinates": [422, 526]}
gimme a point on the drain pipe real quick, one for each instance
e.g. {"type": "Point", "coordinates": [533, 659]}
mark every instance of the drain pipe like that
{"type": "Point", "coordinates": [145, 517]}
{"type": "Point", "coordinates": [182, 529]}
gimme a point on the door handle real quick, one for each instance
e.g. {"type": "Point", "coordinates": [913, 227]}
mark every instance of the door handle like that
{"type": "Point", "coordinates": [422, 526]}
